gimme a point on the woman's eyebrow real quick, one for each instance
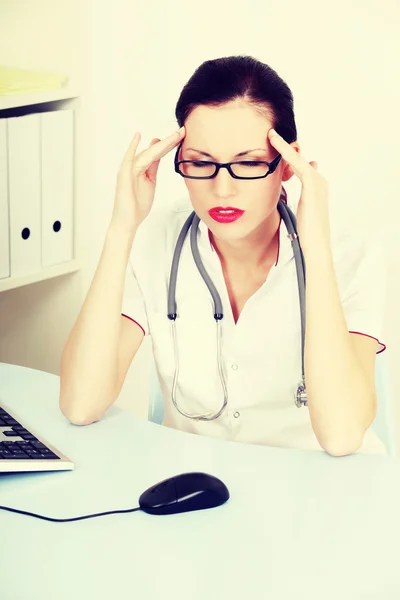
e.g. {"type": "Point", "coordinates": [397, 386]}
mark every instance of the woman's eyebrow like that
{"type": "Point", "coordinates": [236, 155]}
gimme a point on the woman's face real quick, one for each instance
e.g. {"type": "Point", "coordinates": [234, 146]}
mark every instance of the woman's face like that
{"type": "Point", "coordinates": [224, 132]}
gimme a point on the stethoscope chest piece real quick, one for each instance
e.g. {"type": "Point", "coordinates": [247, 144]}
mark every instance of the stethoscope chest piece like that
{"type": "Point", "coordinates": [301, 395]}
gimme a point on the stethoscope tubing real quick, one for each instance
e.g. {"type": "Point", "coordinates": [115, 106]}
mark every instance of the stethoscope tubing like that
{"type": "Point", "coordinates": [192, 223]}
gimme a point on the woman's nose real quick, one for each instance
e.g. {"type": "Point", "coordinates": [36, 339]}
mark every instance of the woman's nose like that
{"type": "Point", "coordinates": [224, 183]}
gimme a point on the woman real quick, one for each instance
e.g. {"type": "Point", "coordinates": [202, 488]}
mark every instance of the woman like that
{"type": "Point", "coordinates": [237, 110]}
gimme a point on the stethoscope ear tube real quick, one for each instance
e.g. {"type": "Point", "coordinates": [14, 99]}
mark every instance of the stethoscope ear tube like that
{"type": "Point", "coordinates": [290, 222]}
{"type": "Point", "coordinates": [172, 314]}
{"type": "Point", "coordinates": [218, 311]}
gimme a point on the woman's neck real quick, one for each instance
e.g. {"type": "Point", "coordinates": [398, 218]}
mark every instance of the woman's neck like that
{"type": "Point", "coordinates": [256, 251]}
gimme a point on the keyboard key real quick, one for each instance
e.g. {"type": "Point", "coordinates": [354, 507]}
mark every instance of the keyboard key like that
{"type": "Point", "coordinates": [40, 456]}
{"type": "Point", "coordinates": [28, 451]}
{"type": "Point", "coordinates": [13, 447]}
{"type": "Point", "coordinates": [6, 444]}
{"type": "Point", "coordinates": [38, 445]}
{"type": "Point", "coordinates": [11, 433]}
{"type": "Point", "coordinates": [33, 453]}
{"type": "Point", "coordinates": [28, 436]}
{"type": "Point", "coordinates": [21, 456]}
{"type": "Point", "coordinates": [24, 443]}
{"type": "Point", "coordinates": [18, 453]}
{"type": "Point", "coordinates": [48, 453]}
{"type": "Point", "coordinates": [19, 428]}
{"type": "Point", "coordinates": [5, 453]}
{"type": "Point", "coordinates": [12, 457]}
{"type": "Point", "coordinates": [10, 421]}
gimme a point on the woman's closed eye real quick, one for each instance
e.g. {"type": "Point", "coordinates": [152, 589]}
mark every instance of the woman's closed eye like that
{"type": "Point", "coordinates": [201, 163]}
{"type": "Point", "coordinates": [247, 163]}
{"type": "Point", "coordinates": [252, 163]}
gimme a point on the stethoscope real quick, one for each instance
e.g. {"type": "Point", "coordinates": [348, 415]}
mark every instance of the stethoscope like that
{"type": "Point", "coordinates": [192, 222]}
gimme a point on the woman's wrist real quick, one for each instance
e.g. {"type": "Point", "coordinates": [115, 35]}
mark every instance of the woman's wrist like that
{"type": "Point", "coordinates": [121, 231]}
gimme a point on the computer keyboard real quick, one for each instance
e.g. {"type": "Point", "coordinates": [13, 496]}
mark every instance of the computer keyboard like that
{"type": "Point", "coordinates": [22, 450]}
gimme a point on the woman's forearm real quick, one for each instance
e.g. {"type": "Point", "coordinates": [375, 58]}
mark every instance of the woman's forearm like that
{"type": "Point", "coordinates": [340, 401]}
{"type": "Point", "coordinates": [90, 357]}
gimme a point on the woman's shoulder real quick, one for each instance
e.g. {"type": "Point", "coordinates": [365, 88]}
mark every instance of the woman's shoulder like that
{"type": "Point", "coordinates": [350, 241]}
{"type": "Point", "coordinates": [159, 231]}
{"type": "Point", "coordinates": [358, 253]}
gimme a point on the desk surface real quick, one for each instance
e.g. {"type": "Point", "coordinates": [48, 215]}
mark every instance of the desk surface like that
{"type": "Point", "coordinates": [299, 524]}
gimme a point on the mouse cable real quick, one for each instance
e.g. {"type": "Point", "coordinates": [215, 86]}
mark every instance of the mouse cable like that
{"type": "Point", "coordinates": [111, 512]}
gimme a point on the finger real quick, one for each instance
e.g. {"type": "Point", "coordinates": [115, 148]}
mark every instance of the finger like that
{"type": "Point", "coordinates": [298, 163]}
{"type": "Point", "coordinates": [156, 152]}
{"type": "Point", "coordinates": [131, 151]}
{"type": "Point", "coordinates": [152, 170]}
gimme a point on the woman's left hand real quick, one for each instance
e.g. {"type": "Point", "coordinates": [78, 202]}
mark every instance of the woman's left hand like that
{"type": "Point", "coordinates": [312, 211]}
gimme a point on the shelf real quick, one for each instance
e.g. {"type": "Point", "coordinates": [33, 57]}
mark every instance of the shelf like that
{"type": "Point", "coordinates": [29, 98]}
{"type": "Point", "coordinates": [10, 283]}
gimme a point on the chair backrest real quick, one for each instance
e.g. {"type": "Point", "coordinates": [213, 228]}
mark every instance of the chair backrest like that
{"type": "Point", "coordinates": [156, 400]}
{"type": "Point", "coordinates": [384, 424]}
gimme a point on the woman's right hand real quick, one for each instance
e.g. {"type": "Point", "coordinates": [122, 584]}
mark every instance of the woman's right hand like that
{"type": "Point", "coordinates": [136, 180]}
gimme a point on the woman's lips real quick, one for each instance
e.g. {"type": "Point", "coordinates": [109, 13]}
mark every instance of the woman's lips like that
{"type": "Point", "coordinates": [225, 215]}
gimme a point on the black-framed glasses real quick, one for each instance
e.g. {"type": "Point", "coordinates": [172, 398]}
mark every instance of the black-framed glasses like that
{"type": "Point", "coordinates": [206, 169]}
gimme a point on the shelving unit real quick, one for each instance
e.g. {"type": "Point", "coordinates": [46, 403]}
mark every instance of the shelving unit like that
{"type": "Point", "coordinates": [30, 98]}
{"type": "Point", "coordinates": [43, 101]}
{"type": "Point", "coordinates": [38, 309]}
{"type": "Point", "coordinates": [11, 283]}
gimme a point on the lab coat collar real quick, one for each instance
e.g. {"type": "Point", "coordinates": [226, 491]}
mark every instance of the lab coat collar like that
{"type": "Point", "coordinates": [285, 250]}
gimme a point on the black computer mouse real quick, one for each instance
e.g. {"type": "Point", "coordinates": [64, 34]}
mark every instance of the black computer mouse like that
{"type": "Point", "coordinates": [182, 493]}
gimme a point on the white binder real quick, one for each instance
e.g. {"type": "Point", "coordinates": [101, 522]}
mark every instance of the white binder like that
{"type": "Point", "coordinates": [57, 186]}
{"type": "Point", "coordinates": [4, 216]}
{"type": "Point", "coordinates": [24, 193]}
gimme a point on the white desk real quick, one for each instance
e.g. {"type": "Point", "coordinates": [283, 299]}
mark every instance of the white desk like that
{"type": "Point", "coordinates": [299, 525]}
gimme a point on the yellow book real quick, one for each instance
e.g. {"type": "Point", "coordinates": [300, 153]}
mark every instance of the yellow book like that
{"type": "Point", "coordinates": [16, 81]}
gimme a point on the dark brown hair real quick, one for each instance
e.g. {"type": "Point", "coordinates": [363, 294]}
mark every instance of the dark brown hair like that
{"type": "Point", "coordinates": [216, 82]}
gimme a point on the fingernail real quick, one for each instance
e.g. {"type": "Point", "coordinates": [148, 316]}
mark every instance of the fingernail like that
{"type": "Point", "coordinates": [181, 129]}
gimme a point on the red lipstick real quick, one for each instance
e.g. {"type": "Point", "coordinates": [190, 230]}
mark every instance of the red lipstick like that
{"type": "Point", "coordinates": [225, 214]}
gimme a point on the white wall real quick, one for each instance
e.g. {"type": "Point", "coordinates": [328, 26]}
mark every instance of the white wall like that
{"type": "Point", "coordinates": [339, 59]}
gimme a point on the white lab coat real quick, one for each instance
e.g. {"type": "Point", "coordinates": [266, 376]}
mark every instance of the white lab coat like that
{"type": "Point", "coordinates": [261, 353]}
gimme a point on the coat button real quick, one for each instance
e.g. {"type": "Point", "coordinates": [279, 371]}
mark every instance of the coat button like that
{"type": "Point", "coordinates": [236, 414]}
{"type": "Point", "coordinates": [234, 367]}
